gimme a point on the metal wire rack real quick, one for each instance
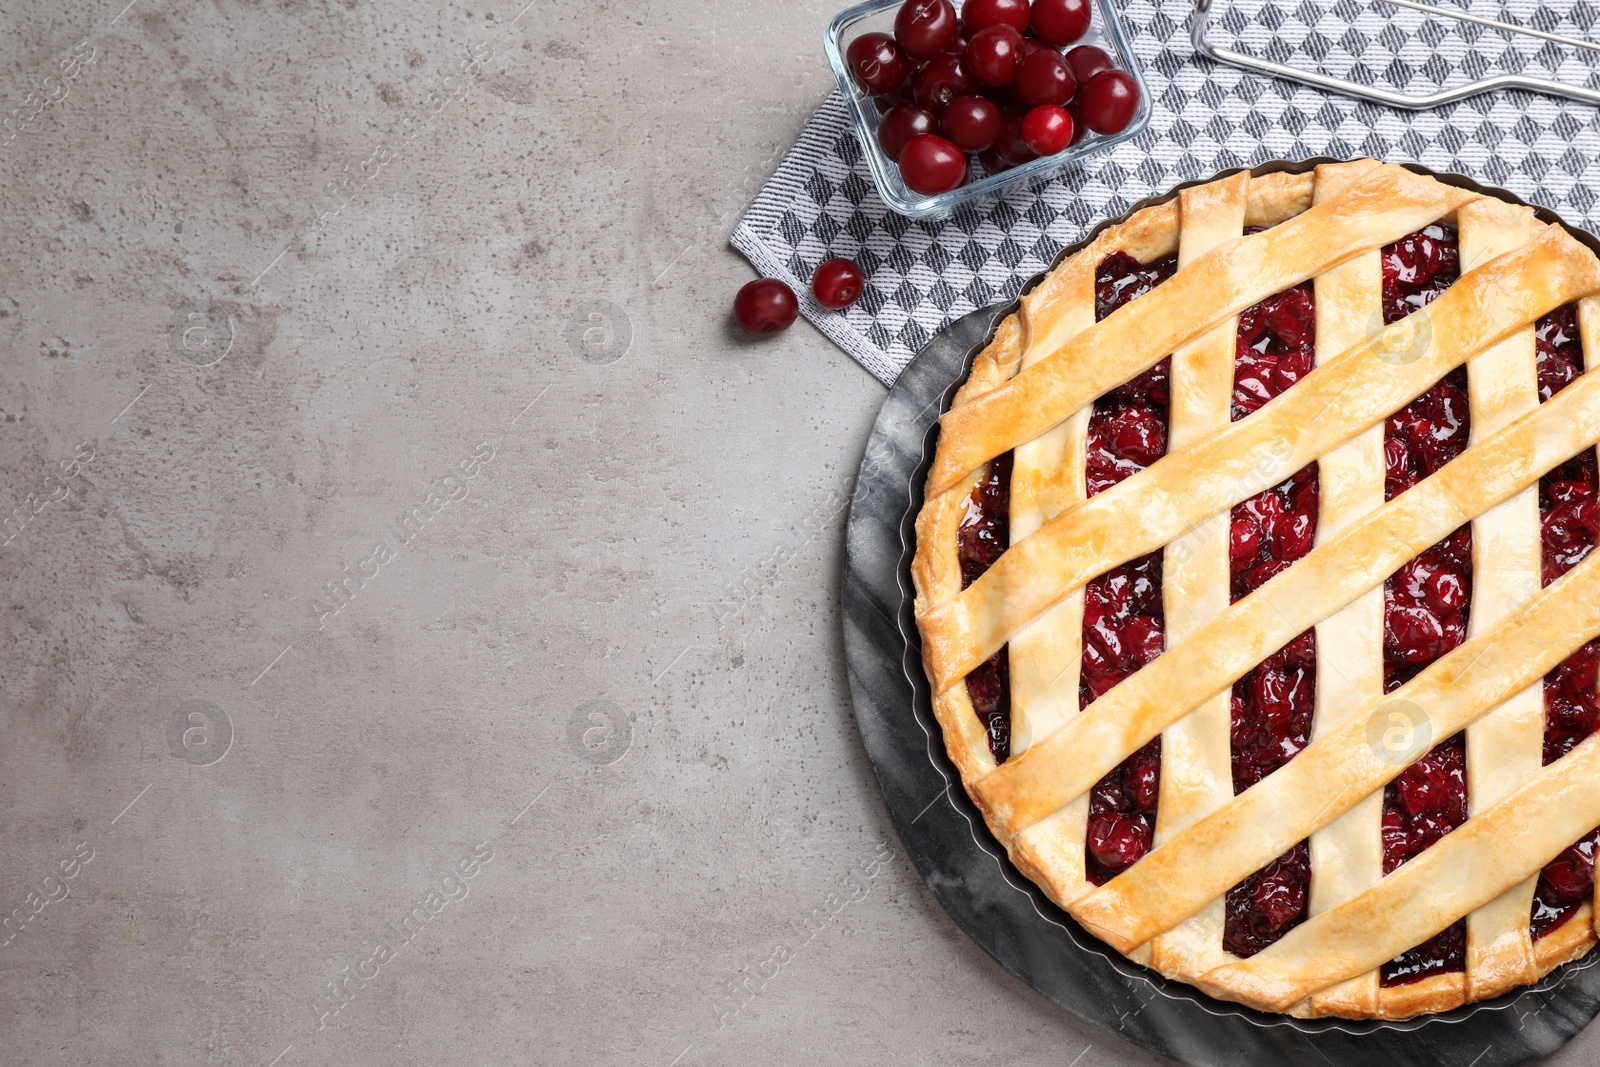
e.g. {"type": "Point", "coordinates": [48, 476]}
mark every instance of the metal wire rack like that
{"type": "Point", "coordinates": [1201, 16]}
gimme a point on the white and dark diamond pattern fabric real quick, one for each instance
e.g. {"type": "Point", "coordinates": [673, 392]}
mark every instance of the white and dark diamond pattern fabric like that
{"type": "Point", "coordinates": [921, 275]}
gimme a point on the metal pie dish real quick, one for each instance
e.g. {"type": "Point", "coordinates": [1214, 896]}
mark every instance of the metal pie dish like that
{"type": "Point", "coordinates": [968, 870]}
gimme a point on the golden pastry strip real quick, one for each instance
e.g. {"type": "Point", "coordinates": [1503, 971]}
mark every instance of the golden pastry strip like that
{"type": "Point", "coordinates": [1487, 855]}
{"type": "Point", "coordinates": [1196, 769]}
{"type": "Point", "coordinates": [1068, 762]}
{"type": "Point", "coordinates": [1047, 475]}
{"type": "Point", "coordinates": [1335, 771]}
{"type": "Point", "coordinates": [1506, 746]}
{"type": "Point", "coordinates": [1385, 205]}
{"type": "Point", "coordinates": [1347, 856]}
{"type": "Point", "coordinates": [1192, 485]}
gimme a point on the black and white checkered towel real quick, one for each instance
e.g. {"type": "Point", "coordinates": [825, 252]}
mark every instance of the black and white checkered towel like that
{"type": "Point", "coordinates": [921, 275]}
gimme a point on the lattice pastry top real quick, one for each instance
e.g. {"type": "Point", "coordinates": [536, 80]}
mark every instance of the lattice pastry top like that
{"type": "Point", "coordinates": [1253, 590]}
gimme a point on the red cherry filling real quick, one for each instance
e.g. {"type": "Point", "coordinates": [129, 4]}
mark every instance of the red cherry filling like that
{"type": "Point", "coordinates": [1122, 814]}
{"type": "Point", "coordinates": [1121, 278]}
{"type": "Point", "coordinates": [1124, 625]}
{"type": "Point", "coordinates": [1425, 616]}
{"type": "Point", "coordinates": [1559, 353]}
{"type": "Point", "coordinates": [1273, 703]}
{"type": "Point", "coordinates": [1442, 953]}
{"type": "Point", "coordinates": [1417, 268]}
{"type": "Point", "coordinates": [1570, 526]}
{"type": "Point", "coordinates": [1421, 806]}
{"type": "Point", "coordinates": [1426, 601]}
{"type": "Point", "coordinates": [1269, 903]}
{"type": "Point", "coordinates": [984, 532]}
{"type": "Point", "coordinates": [986, 527]}
{"type": "Point", "coordinates": [1426, 434]}
{"type": "Point", "coordinates": [1564, 885]}
{"type": "Point", "coordinates": [1274, 349]}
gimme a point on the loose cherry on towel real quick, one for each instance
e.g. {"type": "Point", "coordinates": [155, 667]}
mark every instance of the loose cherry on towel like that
{"type": "Point", "coordinates": [837, 283]}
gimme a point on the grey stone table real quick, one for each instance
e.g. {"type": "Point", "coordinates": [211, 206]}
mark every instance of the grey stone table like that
{"type": "Point", "coordinates": [420, 611]}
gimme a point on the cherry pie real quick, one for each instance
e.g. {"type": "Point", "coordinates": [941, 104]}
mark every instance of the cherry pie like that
{"type": "Point", "coordinates": [1255, 590]}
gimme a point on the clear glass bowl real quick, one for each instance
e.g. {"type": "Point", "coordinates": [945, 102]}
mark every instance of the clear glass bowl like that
{"type": "Point", "coordinates": [878, 15]}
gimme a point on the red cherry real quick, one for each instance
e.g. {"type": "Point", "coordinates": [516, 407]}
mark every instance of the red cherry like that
{"type": "Point", "coordinates": [1244, 541]}
{"type": "Point", "coordinates": [1117, 842]}
{"type": "Point", "coordinates": [932, 165]}
{"type": "Point", "coordinates": [1292, 535]}
{"type": "Point", "coordinates": [1279, 899]}
{"type": "Point", "coordinates": [1554, 376]}
{"type": "Point", "coordinates": [1396, 458]}
{"type": "Point", "coordinates": [901, 123]}
{"type": "Point", "coordinates": [1445, 592]}
{"type": "Point", "coordinates": [1564, 491]}
{"type": "Point", "coordinates": [981, 14]}
{"type": "Point", "coordinates": [1269, 508]}
{"type": "Point", "coordinates": [765, 305]}
{"type": "Point", "coordinates": [941, 81]}
{"type": "Point", "coordinates": [1044, 78]}
{"type": "Point", "coordinates": [1571, 874]}
{"type": "Point", "coordinates": [1302, 651]}
{"type": "Point", "coordinates": [994, 54]}
{"type": "Point", "coordinates": [1086, 61]}
{"type": "Point", "coordinates": [1144, 639]}
{"type": "Point", "coordinates": [1423, 790]}
{"type": "Point", "coordinates": [1108, 101]}
{"type": "Point", "coordinates": [877, 62]}
{"type": "Point", "coordinates": [1264, 572]}
{"type": "Point", "coordinates": [993, 162]}
{"type": "Point", "coordinates": [1047, 130]}
{"type": "Point", "coordinates": [972, 122]}
{"type": "Point", "coordinates": [1079, 130]}
{"type": "Point", "coordinates": [1144, 779]}
{"type": "Point", "coordinates": [1011, 147]}
{"type": "Point", "coordinates": [1269, 691]}
{"type": "Point", "coordinates": [925, 28]}
{"type": "Point", "coordinates": [837, 283]}
{"type": "Point", "coordinates": [1135, 434]}
{"type": "Point", "coordinates": [1060, 22]}
{"type": "Point", "coordinates": [1413, 635]}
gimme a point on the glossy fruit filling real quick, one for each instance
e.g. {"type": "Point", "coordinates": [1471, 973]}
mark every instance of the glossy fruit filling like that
{"type": "Point", "coordinates": [984, 532]}
{"type": "Point", "coordinates": [1275, 347]}
{"type": "Point", "coordinates": [1417, 268]}
{"type": "Point", "coordinates": [1425, 602]}
{"type": "Point", "coordinates": [1569, 518]}
{"type": "Point", "coordinates": [1123, 618]}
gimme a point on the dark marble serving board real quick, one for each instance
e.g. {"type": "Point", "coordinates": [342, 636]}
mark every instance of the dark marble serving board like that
{"type": "Point", "coordinates": [967, 871]}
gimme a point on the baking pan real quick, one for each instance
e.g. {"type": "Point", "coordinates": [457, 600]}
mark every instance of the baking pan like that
{"type": "Point", "coordinates": [967, 870]}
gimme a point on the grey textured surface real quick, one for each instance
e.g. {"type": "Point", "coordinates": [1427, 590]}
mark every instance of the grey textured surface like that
{"type": "Point", "coordinates": [267, 388]}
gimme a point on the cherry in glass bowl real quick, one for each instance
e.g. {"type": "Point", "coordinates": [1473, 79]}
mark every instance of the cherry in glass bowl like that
{"type": "Point", "coordinates": [992, 170]}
